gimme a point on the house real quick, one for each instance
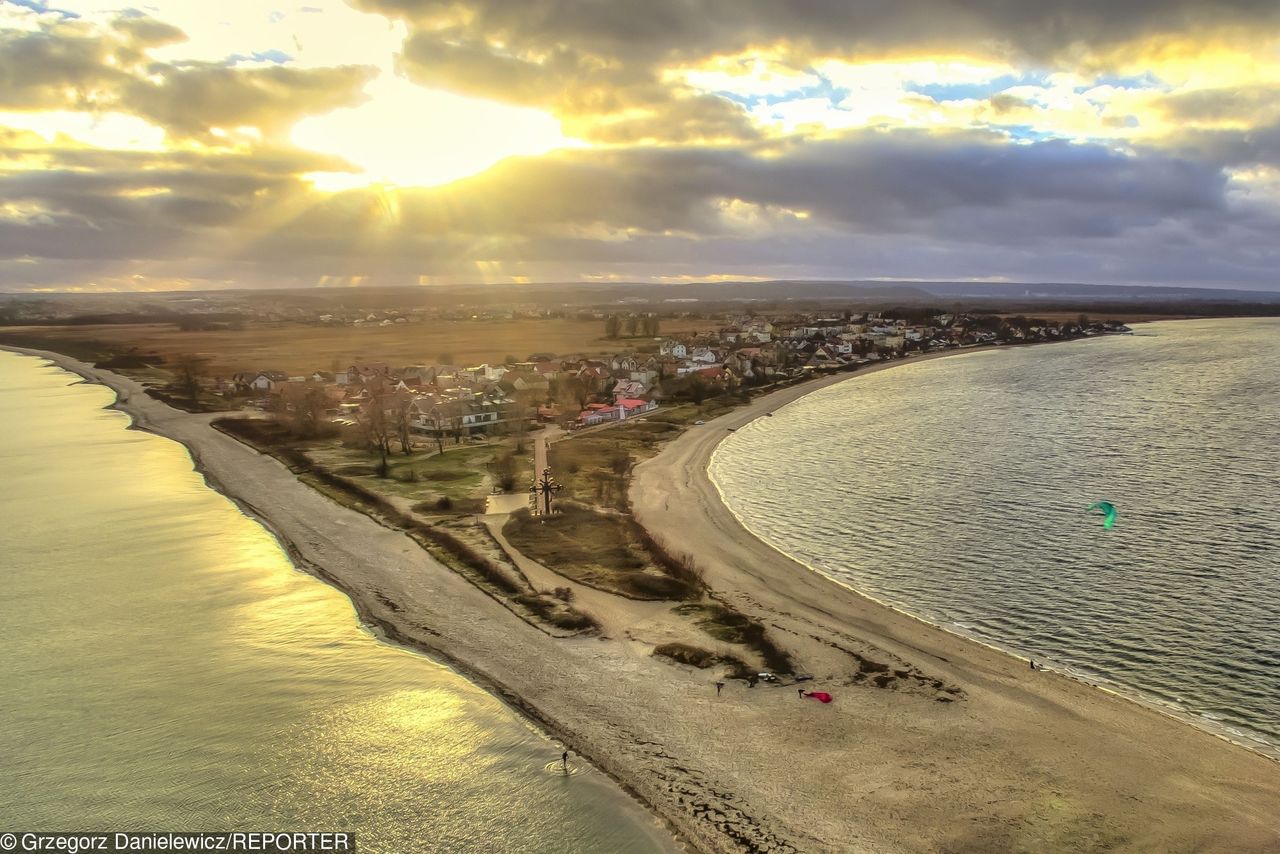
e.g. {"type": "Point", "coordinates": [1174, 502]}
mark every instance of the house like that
{"type": "Point", "coordinates": [705, 355]}
{"type": "Point", "coordinates": [368, 372]}
{"type": "Point", "coordinates": [673, 348]}
{"type": "Point", "coordinates": [602, 413]}
{"type": "Point", "coordinates": [269, 381]}
{"type": "Point", "coordinates": [418, 376]}
{"type": "Point", "coordinates": [548, 369]}
{"type": "Point", "coordinates": [630, 388]}
{"type": "Point", "coordinates": [631, 406]}
{"type": "Point", "coordinates": [523, 381]}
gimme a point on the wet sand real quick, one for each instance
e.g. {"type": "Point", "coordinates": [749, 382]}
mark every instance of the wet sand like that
{"type": "Point", "coordinates": [933, 743]}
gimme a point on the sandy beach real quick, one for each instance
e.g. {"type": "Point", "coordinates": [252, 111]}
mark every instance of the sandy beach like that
{"type": "Point", "coordinates": [952, 746]}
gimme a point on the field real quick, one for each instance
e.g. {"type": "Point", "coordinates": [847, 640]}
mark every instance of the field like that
{"type": "Point", "coordinates": [300, 349]}
{"type": "Point", "coordinates": [461, 474]}
{"type": "Point", "coordinates": [596, 549]}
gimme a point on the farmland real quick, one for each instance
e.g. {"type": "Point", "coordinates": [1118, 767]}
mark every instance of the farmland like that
{"type": "Point", "coordinates": [299, 348]}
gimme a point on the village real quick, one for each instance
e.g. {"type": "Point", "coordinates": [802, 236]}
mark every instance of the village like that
{"type": "Point", "coordinates": [574, 391]}
{"type": "Point", "coordinates": [518, 475]}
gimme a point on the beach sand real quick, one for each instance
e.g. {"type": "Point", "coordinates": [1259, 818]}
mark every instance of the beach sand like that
{"type": "Point", "coordinates": [962, 749]}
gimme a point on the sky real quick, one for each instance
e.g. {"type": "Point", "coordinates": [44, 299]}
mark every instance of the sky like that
{"type": "Point", "coordinates": [190, 144]}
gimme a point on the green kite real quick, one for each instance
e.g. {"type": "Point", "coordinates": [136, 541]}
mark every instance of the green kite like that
{"type": "Point", "coordinates": [1109, 513]}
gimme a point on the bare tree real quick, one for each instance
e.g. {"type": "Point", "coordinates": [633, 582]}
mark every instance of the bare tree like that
{"type": "Point", "coordinates": [188, 368]}
{"type": "Point", "coordinates": [404, 423]}
{"type": "Point", "coordinates": [304, 412]}
{"type": "Point", "coordinates": [378, 429]}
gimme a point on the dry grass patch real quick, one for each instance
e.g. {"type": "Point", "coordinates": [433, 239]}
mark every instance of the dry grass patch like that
{"type": "Point", "coordinates": [596, 549]}
{"type": "Point", "coordinates": [727, 625]}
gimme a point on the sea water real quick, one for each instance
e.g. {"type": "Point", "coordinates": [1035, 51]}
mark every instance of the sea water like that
{"type": "Point", "coordinates": [958, 488]}
{"type": "Point", "coordinates": [165, 667]}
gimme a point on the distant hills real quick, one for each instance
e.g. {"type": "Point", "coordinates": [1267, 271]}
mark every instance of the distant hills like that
{"type": "Point", "coordinates": [692, 296]}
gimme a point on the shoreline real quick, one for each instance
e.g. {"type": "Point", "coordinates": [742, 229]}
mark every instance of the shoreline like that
{"type": "Point", "coordinates": [1042, 766]}
{"type": "Point", "coordinates": [383, 630]}
{"type": "Point", "coordinates": [1128, 693]}
{"type": "Point", "coordinates": [705, 515]}
{"type": "Point", "coordinates": [1120, 690]}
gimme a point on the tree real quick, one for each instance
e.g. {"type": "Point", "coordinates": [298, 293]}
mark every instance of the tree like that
{"type": "Point", "coordinates": [633, 324]}
{"type": "Point", "coordinates": [404, 423]}
{"type": "Point", "coordinates": [696, 388]}
{"type": "Point", "coordinates": [611, 326]}
{"type": "Point", "coordinates": [572, 391]}
{"type": "Point", "coordinates": [503, 469]}
{"type": "Point", "coordinates": [304, 412]}
{"type": "Point", "coordinates": [377, 429]}
{"type": "Point", "coordinates": [188, 368]}
{"type": "Point", "coordinates": [524, 404]}
{"type": "Point", "coordinates": [457, 418]}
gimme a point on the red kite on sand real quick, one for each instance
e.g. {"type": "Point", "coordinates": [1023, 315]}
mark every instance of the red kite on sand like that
{"type": "Point", "coordinates": [820, 696]}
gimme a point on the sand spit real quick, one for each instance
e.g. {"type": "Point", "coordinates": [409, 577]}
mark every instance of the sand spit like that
{"type": "Point", "coordinates": [933, 743]}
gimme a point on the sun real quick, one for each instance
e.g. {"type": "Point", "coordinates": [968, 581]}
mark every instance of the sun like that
{"type": "Point", "coordinates": [408, 136]}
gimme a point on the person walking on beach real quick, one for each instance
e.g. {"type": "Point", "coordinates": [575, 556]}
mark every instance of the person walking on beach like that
{"type": "Point", "coordinates": [800, 691]}
{"type": "Point", "coordinates": [719, 686]}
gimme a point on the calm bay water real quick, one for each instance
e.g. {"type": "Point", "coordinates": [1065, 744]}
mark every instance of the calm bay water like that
{"type": "Point", "coordinates": [165, 667]}
{"type": "Point", "coordinates": [957, 490]}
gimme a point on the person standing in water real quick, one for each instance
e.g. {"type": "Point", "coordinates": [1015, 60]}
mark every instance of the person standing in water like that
{"type": "Point", "coordinates": [564, 760]}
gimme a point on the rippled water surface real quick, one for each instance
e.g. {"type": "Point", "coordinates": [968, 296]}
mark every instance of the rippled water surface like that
{"type": "Point", "coordinates": [164, 667]}
{"type": "Point", "coordinates": [957, 489]}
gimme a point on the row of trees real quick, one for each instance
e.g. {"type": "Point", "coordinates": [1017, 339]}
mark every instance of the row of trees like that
{"type": "Point", "coordinates": [631, 326]}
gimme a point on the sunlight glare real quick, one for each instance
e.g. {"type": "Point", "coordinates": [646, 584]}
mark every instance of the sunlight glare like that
{"type": "Point", "coordinates": [408, 136]}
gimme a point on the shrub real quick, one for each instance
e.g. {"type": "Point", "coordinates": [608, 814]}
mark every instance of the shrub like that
{"type": "Point", "coordinates": [444, 502]}
{"type": "Point", "coordinates": [686, 654]}
{"type": "Point", "coordinates": [503, 469]}
{"type": "Point", "coordinates": [655, 586]}
{"type": "Point", "coordinates": [575, 621]}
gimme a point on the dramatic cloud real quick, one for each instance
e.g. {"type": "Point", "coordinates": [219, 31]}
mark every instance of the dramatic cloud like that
{"type": "Point", "coordinates": [1115, 142]}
